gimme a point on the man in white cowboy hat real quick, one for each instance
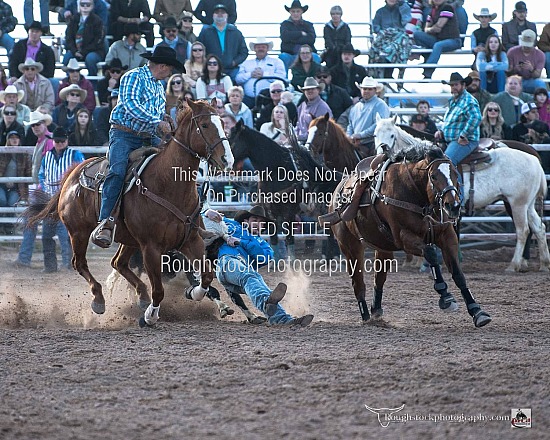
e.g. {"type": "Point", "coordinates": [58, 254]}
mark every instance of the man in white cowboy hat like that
{"type": "Point", "coordinates": [480, 35]}
{"type": "Point", "coordinates": [138, 114]}
{"type": "Point", "coordinates": [512, 29]}
{"type": "Point", "coordinates": [74, 76]}
{"type": "Point", "coordinates": [311, 108]}
{"type": "Point", "coordinates": [251, 71]}
{"type": "Point", "coordinates": [171, 38]}
{"type": "Point", "coordinates": [38, 89]}
{"type": "Point", "coordinates": [128, 49]}
{"type": "Point", "coordinates": [11, 96]}
{"type": "Point", "coordinates": [527, 61]}
{"type": "Point", "coordinates": [72, 99]}
{"type": "Point", "coordinates": [362, 116]}
{"type": "Point", "coordinates": [240, 256]}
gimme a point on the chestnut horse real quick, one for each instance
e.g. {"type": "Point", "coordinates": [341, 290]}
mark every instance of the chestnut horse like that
{"type": "Point", "coordinates": [161, 211]}
{"type": "Point", "coordinates": [415, 209]}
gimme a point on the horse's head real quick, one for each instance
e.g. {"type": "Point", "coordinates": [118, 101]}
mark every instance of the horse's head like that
{"type": "Point", "coordinates": [200, 130]}
{"type": "Point", "coordinates": [385, 134]}
{"type": "Point", "coordinates": [317, 135]}
{"type": "Point", "coordinates": [240, 145]}
{"type": "Point", "coordinates": [442, 185]}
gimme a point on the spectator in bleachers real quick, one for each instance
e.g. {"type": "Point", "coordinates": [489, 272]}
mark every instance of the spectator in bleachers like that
{"type": "Point", "coordinates": [441, 33]}
{"type": "Point", "coordinates": [110, 81]}
{"type": "Point", "coordinates": [194, 65]}
{"type": "Point", "coordinates": [544, 45]}
{"type": "Point", "coordinates": [251, 71]}
{"type": "Point", "coordinates": [337, 34]}
{"type": "Point", "coordinates": [481, 95]}
{"type": "Point", "coordinates": [294, 33]}
{"type": "Point", "coordinates": [14, 165]}
{"type": "Point", "coordinates": [7, 25]}
{"type": "Point", "coordinates": [493, 125]}
{"type": "Point", "coordinates": [530, 129]}
{"type": "Point", "coordinates": [75, 77]}
{"type": "Point", "coordinates": [32, 47]}
{"type": "Point", "coordinates": [417, 17]}
{"type": "Point", "coordinates": [185, 26]}
{"type": "Point", "coordinates": [277, 129]}
{"type": "Point", "coordinates": [134, 11]}
{"type": "Point", "coordinates": [311, 108]}
{"type": "Point", "coordinates": [543, 103]}
{"type": "Point", "coordinates": [511, 100]}
{"type": "Point", "coordinates": [84, 133]}
{"type": "Point", "coordinates": [219, 106]}
{"type": "Point", "coordinates": [266, 105]}
{"type": "Point", "coordinates": [170, 8]}
{"type": "Point", "coordinates": [12, 96]}
{"type": "Point", "coordinates": [128, 49]}
{"type": "Point", "coordinates": [304, 66]}
{"type": "Point", "coordinates": [175, 89]}
{"type": "Point", "coordinates": [213, 83]}
{"type": "Point", "coordinates": [101, 9]}
{"type": "Point", "coordinates": [512, 29]}
{"type": "Point", "coordinates": [479, 37]}
{"type": "Point", "coordinates": [492, 64]}
{"type": "Point", "coordinates": [362, 116]}
{"type": "Point", "coordinates": [180, 104]}
{"type": "Point", "coordinates": [237, 107]}
{"type": "Point", "coordinates": [171, 39]}
{"type": "Point", "coordinates": [72, 98]}
{"type": "Point", "coordinates": [3, 78]}
{"type": "Point", "coordinates": [38, 90]}
{"type": "Point", "coordinates": [9, 123]}
{"type": "Point", "coordinates": [30, 138]}
{"type": "Point", "coordinates": [391, 44]}
{"type": "Point", "coordinates": [84, 37]}
{"type": "Point", "coordinates": [233, 51]}
{"type": "Point", "coordinates": [458, 7]}
{"type": "Point", "coordinates": [28, 13]}
{"type": "Point", "coordinates": [102, 121]}
{"type": "Point", "coordinates": [527, 61]}
{"type": "Point", "coordinates": [423, 108]}
{"type": "Point", "coordinates": [335, 96]}
{"type": "Point", "coordinates": [206, 8]}
{"type": "Point", "coordinates": [347, 73]}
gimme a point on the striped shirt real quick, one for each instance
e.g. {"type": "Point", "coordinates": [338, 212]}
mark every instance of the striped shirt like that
{"type": "Point", "coordinates": [54, 165]}
{"type": "Point", "coordinates": [462, 118]}
{"type": "Point", "coordinates": [141, 101]}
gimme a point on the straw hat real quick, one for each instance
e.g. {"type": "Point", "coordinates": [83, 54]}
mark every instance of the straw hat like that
{"type": "Point", "coordinates": [72, 65]}
{"type": "Point", "coordinates": [485, 13]}
{"type": "Point", "coordinates": [261, 40]}
{"type": "Point", "coordinates": [368, 82]}
{"type": "Point", "coordinates": [11, 89]}
{"type": "Point", "coordinates": [73, 88]}
{"type": "Point", "coordinates": [29, 62]}
{"type": "Point", "coordinates": [37, 116]}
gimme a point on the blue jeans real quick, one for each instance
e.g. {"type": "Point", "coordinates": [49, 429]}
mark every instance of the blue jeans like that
{"type": "Point", "coordinates": [529, 85]}
{"type": "Point", "coordinates": [91, 61]}
{"type": "Point", "coordinates": [27, 245]}
{"type": "Point", "coordinates": [8, 42]}
{"type": "Point", "coordinates": [456, 152]}
{"type": "Point", "coordinates": [49, 230]}
{"type": "Point", "coordinates": [500, 76]}
{"type": "Point", "coordinates": [121, 144]}
{"type": "Point", "coordinates": [237, 277]}
{"type": "Point", "coordinates": [438, 47]}
{"type": "Point", "coordinates": [288, 59]}
{"type": "Point", "coordinates": [547, 65]}
{"type": "Point", "coordinates": [8, 197]}
{"type": "Point", "coordinates": [28, 12]}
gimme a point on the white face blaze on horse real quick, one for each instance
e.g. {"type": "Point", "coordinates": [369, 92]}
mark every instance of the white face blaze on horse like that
{"type": "Point", "coordinates": [216, 120]}
{"type": "Point", "coordinates": [311, 136]}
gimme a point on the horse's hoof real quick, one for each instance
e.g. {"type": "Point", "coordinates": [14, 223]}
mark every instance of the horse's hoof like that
{"type": "Point", "coordinates": [142, 323]}
{"type": "Point", "coordinates": [448, 306]}
{"type": "Point", "coordinates": [143, 304]}
{"type": "Point", "coordinates": [481, 318]}
{"type": "Point", "coordinates": [257, 320]}
{"type": "Point", "coordinates": [98, 308]}
{"type": "Point", "coordinates": [513, 268]}
{"type": "Point", "coordinates": [225, 312]}
{"type": "Point", "coordinates": [376, 313]}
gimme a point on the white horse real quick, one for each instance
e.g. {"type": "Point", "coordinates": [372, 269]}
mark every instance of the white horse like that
{"type": "Point", "coordinates": [513, 176]}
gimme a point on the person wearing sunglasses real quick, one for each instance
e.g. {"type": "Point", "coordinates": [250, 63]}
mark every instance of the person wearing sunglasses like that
{"type": "Point", "coordinates": [175, 91]}
{"type": "Point", "coordinates": [272, 98]}
{"type": "Point", "coordinates": [12, 96]}
{"type": "Point", "coordinates": [164, 9]}
{"type": "Point", "coordinates": [74, 76]}
{"type": "Point", "coordinates": [38, 90]}
{"type": "Point", "coordinates": [84, 37]}
{"type": "Point", "coordinates": [170, 38]}
{"type": "Point", "coordinates": [493, 125]}
{"type": "Point", "coordinates": [194, 66]}
{"type": "Point", "coordinates": [213, 83]}
{"type": "Point", "coordinates": [335, 96]}
{"type": "Point", "coordinates": [9, 123]}
{"type": "Point", "coordinates": [110, 81]}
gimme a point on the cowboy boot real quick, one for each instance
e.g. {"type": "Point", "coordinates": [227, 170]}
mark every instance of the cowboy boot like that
{"type": "Point", "coordinates": [102, 235]}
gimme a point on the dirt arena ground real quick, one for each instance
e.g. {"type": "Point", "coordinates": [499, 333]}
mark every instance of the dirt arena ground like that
{"type": "Point", "coordinates": [68, 374]}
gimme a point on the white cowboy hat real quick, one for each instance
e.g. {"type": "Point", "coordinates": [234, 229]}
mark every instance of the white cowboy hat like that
{"type": "Point", "coordinates": [485, 13]}
{"type": "Point", "coordinates": [72, 65]}
{"type": "Point", "coordinates": [37, 116]}
{"type": "Point", "coordinates": [311, 83]}
{"type": "Point", "coordinates": [29, 62]}
{"type": "Point", "coordinates": [367, 82]}
{"type": "Point", "coordinates": [11, 89]}
{"type": "Point", "coordinates": [73, 88]}
{"type": "Point", "coordinates": [261, 40]}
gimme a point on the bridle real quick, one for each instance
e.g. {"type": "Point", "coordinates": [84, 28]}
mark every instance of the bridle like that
{"type": "Point", "coordinates": [440, 195]}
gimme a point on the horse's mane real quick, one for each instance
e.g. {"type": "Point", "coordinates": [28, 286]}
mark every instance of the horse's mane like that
{"type": "Point", "coordinates": [410, 148]}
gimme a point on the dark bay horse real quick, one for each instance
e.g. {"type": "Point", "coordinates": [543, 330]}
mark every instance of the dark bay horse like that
{"type": "Point", "coordinates": [289, 177]}
{"type": "Point", "coordinates": [416, 208]}
{"type": "Point", "coordinates": [161, 211]}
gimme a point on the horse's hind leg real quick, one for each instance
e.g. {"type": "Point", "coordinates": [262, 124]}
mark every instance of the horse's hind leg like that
{"type": "Point", "coordinates": [538, 228]}
{"type": "Point", "coordinates": [519, 215]}
{"type": "Point", "coordinates": [120, 262]}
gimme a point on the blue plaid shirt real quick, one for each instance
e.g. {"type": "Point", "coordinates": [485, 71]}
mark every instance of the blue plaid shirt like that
{"type": "Point", "coordinates": [462, 118]}
{"type": "Point", "coordinates": [141, 101]}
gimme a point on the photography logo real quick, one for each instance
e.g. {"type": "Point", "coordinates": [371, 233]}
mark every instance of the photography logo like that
{"type": "Point", "coordinates": [384, 414]}
{"type": "Point", "coordinates": [521, 418]}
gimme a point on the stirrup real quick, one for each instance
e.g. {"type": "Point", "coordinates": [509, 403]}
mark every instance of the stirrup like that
{"type": "Point", "coordinates": [103, 234]}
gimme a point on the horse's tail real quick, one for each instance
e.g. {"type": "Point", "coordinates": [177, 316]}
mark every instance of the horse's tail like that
{"type": "Point", "coordinates": [43, 206]}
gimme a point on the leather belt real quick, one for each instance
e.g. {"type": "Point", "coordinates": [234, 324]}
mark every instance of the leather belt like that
{"type": "Point", "coordinates": [142, 134]}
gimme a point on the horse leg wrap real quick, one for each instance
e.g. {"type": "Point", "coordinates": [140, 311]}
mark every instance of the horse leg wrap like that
{"type": "Point", "coordinates": [363, 308]}
{"type": "Point", "coordinates": [151, 315]}
{"type": "Point", "coordinates": [376, 306]}
{"type": "Point", "coordinates": [196, 293]}
{"type": "Point", "coordinates": [479, 317]}
{"type": "Point", "coordinates": [447, 301]}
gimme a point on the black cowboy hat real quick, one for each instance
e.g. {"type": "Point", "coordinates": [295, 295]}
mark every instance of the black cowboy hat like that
{"type": "Point", "coordinates": [457, 77]}
{"type": "Point", "coordinates": [170, 23]}
{"type": "Point", "coordinates": [296, 5]}
{"type": "Point", "coordinates": [256, 210]}
{"type": "Point", "coordinates": [164, 55]}
{"type": "Point", "coordinates": [115, 64]}
{"type": "Point", "coordinates": [348, 48]}
{"type": "Point", "coordinates": [59, 134]}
